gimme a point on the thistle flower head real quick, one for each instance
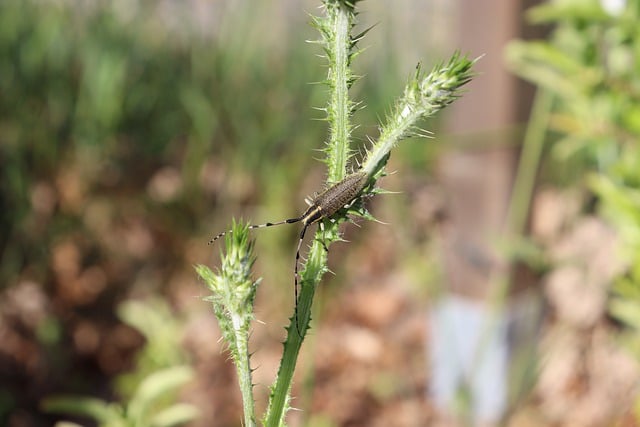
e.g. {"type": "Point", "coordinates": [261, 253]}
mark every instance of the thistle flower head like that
{"type": "Point", "coordinates": [423, 97]}
{"type": "Point", "coordinates": [427, 94]}
{"type": "Point", "coordinates": [232, 287]}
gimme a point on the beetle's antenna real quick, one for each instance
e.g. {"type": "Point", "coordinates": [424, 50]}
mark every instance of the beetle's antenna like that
{"type": "Point", "coordinates": [266, 224]}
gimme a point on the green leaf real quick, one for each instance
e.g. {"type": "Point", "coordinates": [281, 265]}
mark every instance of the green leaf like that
{"type": "Point", "coordinates": [551, 67]}
{"type": "Point", "coordinates": [205, 273]}
{"type": "Point", "coordinates": [589, 10]}
{"type": "Point", "coordinates": [155, 386]}
{"type": "Point", "coordinates": [97, 409]}
{"type": "Point", "coordinates": [163, 381]}
{"type": "Point", "coordinates": [628, 311]}
{"type": "Point", "coordinates": [179, 413]}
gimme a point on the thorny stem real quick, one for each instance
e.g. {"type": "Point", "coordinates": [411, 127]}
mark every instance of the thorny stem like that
{"type": "Point", "coordinates": [243, 368]}
{"type": "Point", "coordinates": [335, 29]}
{"type": "Point", "coordinates": [339, 145]}
{"type": "Point", "coordinates": [339, 48]}
{"type": "Point", "coordinates": [280, 393]}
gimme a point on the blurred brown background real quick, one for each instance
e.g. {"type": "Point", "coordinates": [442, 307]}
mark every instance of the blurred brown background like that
{"type": "Point", "coordinates": [131, 132]}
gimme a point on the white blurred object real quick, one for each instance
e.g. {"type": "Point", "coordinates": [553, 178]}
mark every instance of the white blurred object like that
{"type": "Point", "coordinates": [467, 349]}
{"type": "Point", "coordinates": [613, 7]}
{"type": "Point", "coordinates": [473, 345]}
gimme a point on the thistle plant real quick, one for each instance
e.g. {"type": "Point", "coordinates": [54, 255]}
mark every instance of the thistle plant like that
{"type": "Point", "coordinates": [232, 295]}
{"type": "Point", "coordinates": [424, 95]}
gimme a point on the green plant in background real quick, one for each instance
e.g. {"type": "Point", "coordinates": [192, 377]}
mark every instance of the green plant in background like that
{"type": "Point", "coordinates": [424, 96]}
{"type": "Point", "coordinates": [589, 68]}
{"type": "Point", "coordinates": [147, 407]}
{"type": "Point", "coordinates": [150, 389]}
{"type": "Point", "coordinates": [117, 98]}
{"type": "Point", "coordinates": [163, 333]}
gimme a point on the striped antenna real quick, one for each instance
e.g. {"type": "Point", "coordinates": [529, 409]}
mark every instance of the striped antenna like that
{"type": "Point", "coordinates": [266, 224]}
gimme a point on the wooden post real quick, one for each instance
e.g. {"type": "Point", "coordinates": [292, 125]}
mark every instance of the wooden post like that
{"type": "Point", "coordinates": [468, 344]}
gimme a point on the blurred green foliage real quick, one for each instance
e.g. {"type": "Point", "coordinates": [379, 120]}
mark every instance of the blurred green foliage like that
{"type": "Point", "coordinates": [591, 65]}
{"type": "Point", "coordinates": [150, 390]}
{"type": "Point", "coordinates": [146, 407]}
{"type": "Point", "coordinates": [115, 89]}
{"type": "Point", "coordinates": [124, 95]}
{"type": "Point", "coordinates": [163, 333]}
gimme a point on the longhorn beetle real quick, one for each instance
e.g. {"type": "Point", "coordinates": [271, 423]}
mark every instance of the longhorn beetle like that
{"type": "Point", "coordinates": [321, 206]}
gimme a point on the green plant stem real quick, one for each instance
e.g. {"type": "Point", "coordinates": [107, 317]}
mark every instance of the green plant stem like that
{"type": "Point", "coordinates": [519, 205]}
{"type": "Point", "coordinates": [315, 268]}
{"type": "Point", "coordinates": [339, 105]}
{"type": "Point", "coordinates": [389, 137]}
{"type": "Point", "coordinates": [339, 46]}
{"type": "Point", "coordinates": [523, 187]}
{"type": "Point", "coordinates": [529, 163]}
{"type": "Point", "coordinates": [243, 368]}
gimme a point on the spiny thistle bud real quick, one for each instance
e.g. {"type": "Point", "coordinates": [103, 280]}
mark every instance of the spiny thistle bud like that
{"type": "Point", "coordinates": [423, 97]}
{"type": "Point", "coordinates": [233, 291]}
{"type": "Point", "coordinates": [232, 288]}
